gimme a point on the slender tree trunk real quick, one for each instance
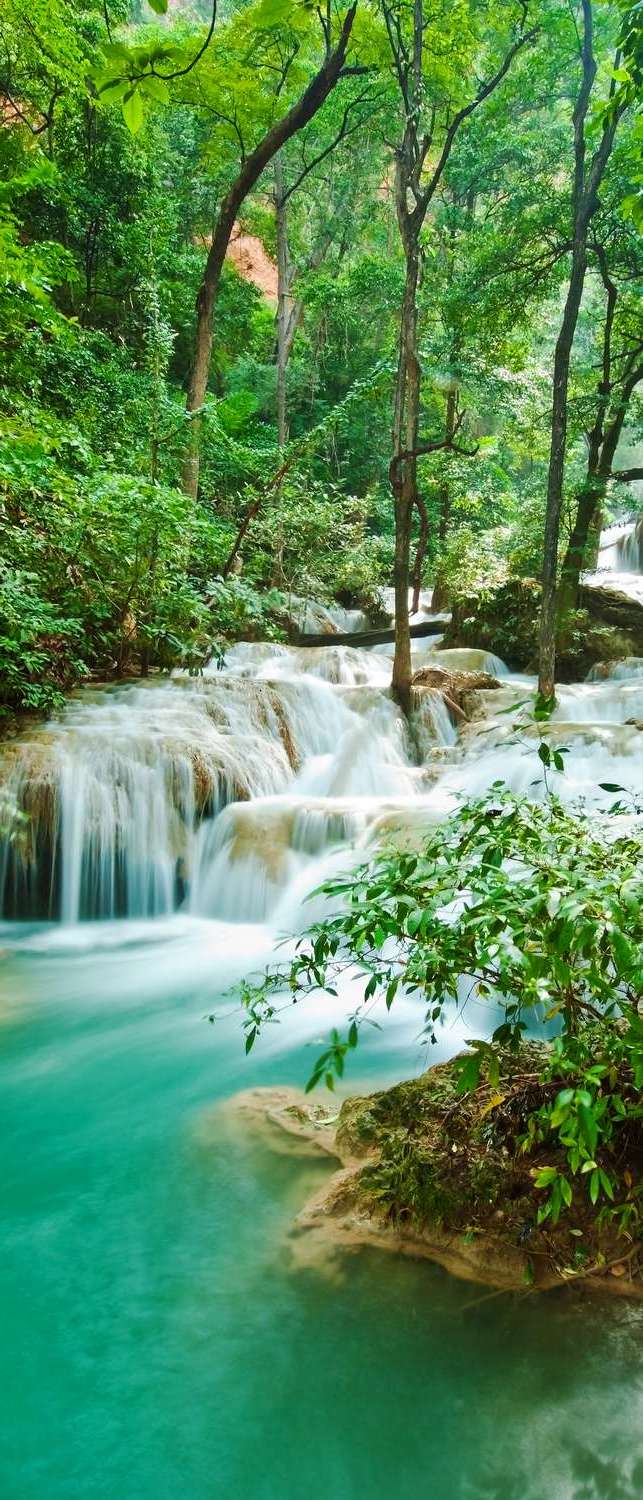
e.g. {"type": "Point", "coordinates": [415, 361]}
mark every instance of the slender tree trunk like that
{"type": "Point", "coordinates": [413, 194]}
{"type": "Point", "coordinates": [420, 553]}
{"type": "Point", "coordinates": [440, 597]}
{"type": "Point", "coordinates": [584, 204]}
{"type": "Point", "coordinates": [604, 439]}
{"type": "Point", "coordinates": [576, 557]}
{"type": "Point", "coordinates": [295, 119]}
{"type": "Point", "coordinates": [547, 662]}
{"type": "Point", "coordinates": [206, 296]}
{"type": "Point", "coordinates": [404, 474]}
{"type": "Point", "coordinates": [584, 537]}
{"type": "Point", "coordinates": [283, 287]}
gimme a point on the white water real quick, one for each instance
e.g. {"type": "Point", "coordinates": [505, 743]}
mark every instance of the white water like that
{"type": "Point", "coordinates": [620, 559]}
{"type": "Point", "coordinates": [230, 796]}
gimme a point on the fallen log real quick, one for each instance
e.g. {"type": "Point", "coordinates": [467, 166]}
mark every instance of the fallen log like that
{"type": "Point", "coordinates": [371, 637]}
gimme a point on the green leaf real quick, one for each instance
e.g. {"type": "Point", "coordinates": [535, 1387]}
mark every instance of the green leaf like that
{"type": "Point", "coordinates": [155, 88]}
{"type": "Point", "coordinates": [469, 1072]}
{"type": "Point", "coordinates": [272, 13]}
{"type": "Point", "coordinates": [544, 1176]}
{"type": "Point", "coordinates": [133, 111]}
{"type": "Point", "coordinates": [159, 6]}
{"type": "Point", "coordinates": [566, 1192]}
{"type": "Point", "coordinates": [543, 708]}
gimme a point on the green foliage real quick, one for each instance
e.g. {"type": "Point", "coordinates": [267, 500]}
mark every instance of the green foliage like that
{"type": "Point", "coordinates": [537, 913]}
{"type": "Point", "coordinates": [122, 135]}
{"type": "Point", "coordinates": [40, 650]}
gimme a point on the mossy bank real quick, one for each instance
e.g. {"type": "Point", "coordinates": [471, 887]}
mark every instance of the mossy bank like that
{"type": "Point", "coordinates": [429, 1172]}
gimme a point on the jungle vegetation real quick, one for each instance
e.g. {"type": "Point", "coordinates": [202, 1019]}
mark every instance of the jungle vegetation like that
{"type": "Point", "coordinates": [440, 381]}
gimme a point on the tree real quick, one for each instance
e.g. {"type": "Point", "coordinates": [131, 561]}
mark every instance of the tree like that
{"type": "Point", "coordinates": [616, 253]}
{"type": "Point", "coordinates": [511, 903]}
{"type": "Point", "coordinates": [331, 204]}
{"type": "Point", "coordinates": [252, 166]}
{"type": "Point", "coordinates": [587, 178]}
{"type": "Point", "coordinates": [430, 125]}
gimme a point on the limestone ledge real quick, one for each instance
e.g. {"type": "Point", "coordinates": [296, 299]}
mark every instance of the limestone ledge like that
{"type": "Point", "coordinates": [337, 1219]}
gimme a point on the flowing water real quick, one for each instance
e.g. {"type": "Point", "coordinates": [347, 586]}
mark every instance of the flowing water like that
{"type": "Point", "coordinates": [163, 1335]}
{"type": "Point", "coordinates": [620, 559]}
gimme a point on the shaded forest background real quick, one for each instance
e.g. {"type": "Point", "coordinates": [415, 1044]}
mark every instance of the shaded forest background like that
{"type": "Point", "coordinates": [125, 132]}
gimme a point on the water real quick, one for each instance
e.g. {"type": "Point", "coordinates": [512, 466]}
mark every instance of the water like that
{"type": "Point", "coordinates": [620, 559]}
{"type": "Point", "coordinates": [159, 1341]}
{"type": "Point", "coordinates": [163, 1333]}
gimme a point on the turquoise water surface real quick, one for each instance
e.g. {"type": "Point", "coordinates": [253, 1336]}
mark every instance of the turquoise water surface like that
{"type": "Point", "coordinates": [158, 1340]}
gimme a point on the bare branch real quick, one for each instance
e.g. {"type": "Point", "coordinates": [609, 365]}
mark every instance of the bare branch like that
{"type": "Point", "coordinates": [343, 133]}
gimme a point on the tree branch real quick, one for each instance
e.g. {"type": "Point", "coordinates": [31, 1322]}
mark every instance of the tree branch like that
{"type": "Point", "coordinates": [343, 133]}
{"type": "Point", "coordinates": [181, 72]}
{"type": "Point", "coordinates": [437, 446]}
{"type": "Point", "coordinates": [468, 109]}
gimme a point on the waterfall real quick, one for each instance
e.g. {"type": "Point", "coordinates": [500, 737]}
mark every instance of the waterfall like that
{"type": "Point", "coordinates": [621, 558]}
{"type": "Point", "coordinates": [229, 795]}
{"type": "Point", "coordinates": [123, 806]}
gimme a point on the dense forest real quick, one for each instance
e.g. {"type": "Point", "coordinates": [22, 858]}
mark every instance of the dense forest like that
{"type": "Point", "coordinates": [321, 703]}
{"type": "Point", "coordinates": [285, 294]}
{"type": "Point", "coordinates": [321, 720]}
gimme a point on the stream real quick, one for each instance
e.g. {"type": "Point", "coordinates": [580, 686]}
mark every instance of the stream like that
{"type": "Point", "coordinates": [163, 1332]}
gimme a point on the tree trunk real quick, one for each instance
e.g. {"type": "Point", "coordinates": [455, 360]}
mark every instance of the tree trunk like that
{"type": "Point", "coordinates": [584, 205]}
{"type": "Point", "coordinates": [404, 474]}
{"type": "Point", "coordinates": [295, 119]}
{"type": "Point", "coordinates": [589, 503]}
{"type": "Point", "coordinates": [420, 553]}
{"type": "Point", "coordinates": [440, 597]}
{"type": "Point", "coordinates": [547, 662]}
{"type": "Point", "coordinates": [603, 442]}
{"type": "Point", "coordinates": [283, 287]}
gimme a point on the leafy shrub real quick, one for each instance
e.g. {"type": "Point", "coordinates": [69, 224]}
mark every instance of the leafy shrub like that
{"type": "Point", "coordinates": [39, 649]}
{"type": "Point", "coordinates": [538, 913]}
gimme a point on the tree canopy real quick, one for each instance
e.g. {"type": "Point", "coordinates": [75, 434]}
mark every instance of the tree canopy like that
{"type": "Point", "coordinates": [408, 172]}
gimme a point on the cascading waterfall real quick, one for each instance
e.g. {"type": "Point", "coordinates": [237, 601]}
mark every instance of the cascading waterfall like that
{"type": "Point", "coordinates": [620, 559]}
{"type": "Point", "coordinates": [621, 547]}
{"type": "Point", "coordinates": [232, 794]}
{"type": "Point", "coordinates": [124, 806]}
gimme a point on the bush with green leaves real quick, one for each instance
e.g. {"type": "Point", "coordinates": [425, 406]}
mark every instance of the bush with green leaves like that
{"type": "Point", "coordinates": [537, 912]}
{"type": "Point", "coordinates": [41, 651]}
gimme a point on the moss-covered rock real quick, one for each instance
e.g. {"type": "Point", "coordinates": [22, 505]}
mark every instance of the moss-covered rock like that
{"type": "Point", "coordinates": [502, 621]}
{"type": "Point", "coordinates": [428, 1171]}
{"type": "Point", "coordinates": [506, 620]}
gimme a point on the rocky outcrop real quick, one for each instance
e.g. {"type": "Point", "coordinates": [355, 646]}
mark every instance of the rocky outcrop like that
{"type": "Point", "coordinates": [502, 620]}
{"type": "Point", "coordinates": [424, 1172]}
{"type": "Point", "coordinates": [609, 606]}
{"type": "Point", "coordinates": [608, 627]}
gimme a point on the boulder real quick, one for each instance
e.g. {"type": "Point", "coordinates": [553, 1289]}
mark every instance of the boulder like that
{"type": "Point", "coordinates": [505, 621]}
